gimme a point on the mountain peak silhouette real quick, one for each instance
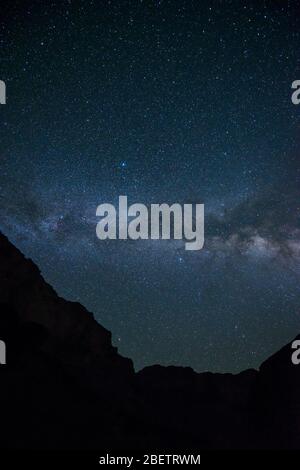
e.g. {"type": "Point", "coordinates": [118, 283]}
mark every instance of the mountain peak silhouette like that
{"type": "Point", "coordinates": [66, 387]}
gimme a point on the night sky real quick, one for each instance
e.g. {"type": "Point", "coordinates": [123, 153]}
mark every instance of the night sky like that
{"type": "Point", "coordinates": [162, 101]}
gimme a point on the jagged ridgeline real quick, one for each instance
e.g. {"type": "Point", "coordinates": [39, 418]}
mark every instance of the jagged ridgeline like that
{"type": "Point", "coordinates": [64, 386]}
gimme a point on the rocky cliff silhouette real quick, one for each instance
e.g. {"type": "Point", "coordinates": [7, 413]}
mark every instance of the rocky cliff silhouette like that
{"type": "Point", "coordinates": [66, 387]}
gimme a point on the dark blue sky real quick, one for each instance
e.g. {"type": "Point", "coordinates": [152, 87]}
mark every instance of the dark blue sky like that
{"type": "Point", "coordinates": [163, 101]}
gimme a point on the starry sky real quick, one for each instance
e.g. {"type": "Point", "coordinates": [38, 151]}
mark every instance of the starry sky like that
{"type": "Point", "coordinates": [162, 101]}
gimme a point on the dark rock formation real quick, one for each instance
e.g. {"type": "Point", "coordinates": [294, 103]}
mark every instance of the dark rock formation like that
{"type": "Point", "coordinates": [65, 387]}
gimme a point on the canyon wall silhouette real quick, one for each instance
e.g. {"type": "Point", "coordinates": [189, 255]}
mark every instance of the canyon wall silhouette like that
{"type": "Point", "coordinates": [66, 387]}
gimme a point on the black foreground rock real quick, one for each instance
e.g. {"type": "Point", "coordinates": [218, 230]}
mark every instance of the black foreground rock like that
{"type": "Point", "coordinates": [66, 387]}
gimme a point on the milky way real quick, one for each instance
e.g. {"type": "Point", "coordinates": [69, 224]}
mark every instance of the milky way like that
{"type": "Point", "coordinates": [162, 101]}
